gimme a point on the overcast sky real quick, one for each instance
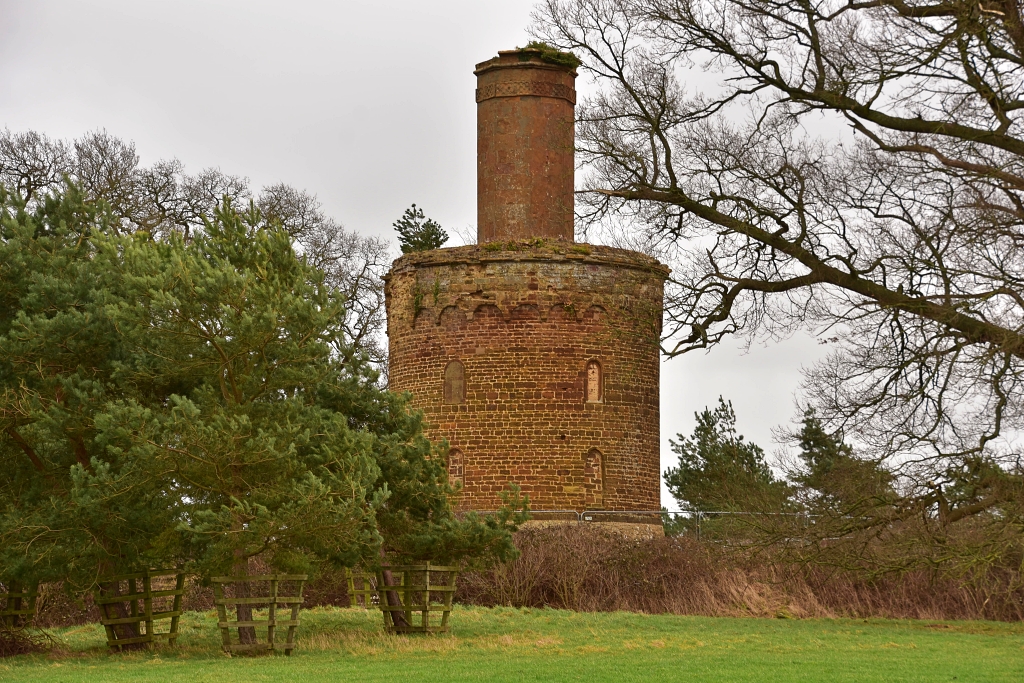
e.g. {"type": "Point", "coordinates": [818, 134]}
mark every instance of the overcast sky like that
{"type": "Point", "coordinates": [369, 105]}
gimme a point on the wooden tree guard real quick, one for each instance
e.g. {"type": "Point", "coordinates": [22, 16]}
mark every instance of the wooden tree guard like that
{"type": "Point", "coordinates": [18, 604]}
{"type": "Point", "coordinates": [367, 591]}
{"type": "Point", "coordinates": [141, 610]}
{"type": "Point", "coordinates": [421, 591]}
{"type": "Point", "coordinates": [271, 601]}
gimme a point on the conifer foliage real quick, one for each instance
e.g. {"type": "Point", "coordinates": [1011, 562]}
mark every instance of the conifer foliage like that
{"type": "Point", "coordinates": [833, 479]}
{"type": "Point", "coordinates": [718, 470]}
{"type": "Point", "coordinates": [173, 400]}
{"type": "Point", "coordinates": [72, 505]}
{"type": "Point", "coordinates": [416, 232]}
{"type": "Point", "coordinates": [246, 332]}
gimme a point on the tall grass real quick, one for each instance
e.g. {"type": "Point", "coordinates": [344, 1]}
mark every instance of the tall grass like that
{"type": "Point", "coordinates": [585, 568]}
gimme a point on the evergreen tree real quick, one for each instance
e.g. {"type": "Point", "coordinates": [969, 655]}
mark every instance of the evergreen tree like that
{"type": "Point", "coordinates": [71, 506]}
{"type": "Point", "coordinates": [719, 470]}
{"type": "Point", "coordinates": [250, 337]}
{"type": "Point", "coordinates": [833, 478]}
{"type": "Point", "coordinates": [416, 232]}
{"type": "Point", "coordinates": [165, 401]}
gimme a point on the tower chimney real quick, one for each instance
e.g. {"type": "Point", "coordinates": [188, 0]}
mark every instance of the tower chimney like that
{"type": "Point", "coordinates": [525, 141]}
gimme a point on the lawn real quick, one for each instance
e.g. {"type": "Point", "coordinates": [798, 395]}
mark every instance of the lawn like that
{"type": "Point", "coordinates": [506, 644]}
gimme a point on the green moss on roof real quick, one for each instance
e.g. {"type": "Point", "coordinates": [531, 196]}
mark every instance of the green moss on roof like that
{"type": "Point", "coordinates": [553, 55]}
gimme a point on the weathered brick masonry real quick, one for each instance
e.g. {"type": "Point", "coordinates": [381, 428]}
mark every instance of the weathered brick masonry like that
{"type": "Point", "coordinates": [525, 155]}
{"type": "Point", "coordinates": [525, 322]}
{"type": "Point", "coordinates": [536, 358]}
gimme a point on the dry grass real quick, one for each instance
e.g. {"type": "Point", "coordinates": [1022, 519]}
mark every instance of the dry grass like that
{"type": "Point", "coordinates": [20, 641]}
{"type": "Point", "coordinates": [584, 568]}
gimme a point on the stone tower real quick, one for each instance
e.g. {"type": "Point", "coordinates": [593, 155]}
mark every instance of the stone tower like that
{"type": "Point", "coordinates": [535, 357]}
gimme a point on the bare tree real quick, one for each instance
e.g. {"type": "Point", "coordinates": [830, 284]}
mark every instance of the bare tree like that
{"type": "Point", "coordinates": [162, 198]}
{"type": "Point", "coordinates": [855, 168]}
{"type": "Point", "coordinates": [30, 163]}
{"type": "Point", "coordinates": [354, 264]}
{"type": "Point", "coordinates": [157, 199]}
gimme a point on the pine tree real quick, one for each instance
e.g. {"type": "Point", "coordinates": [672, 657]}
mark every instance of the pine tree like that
{"type": "Point", "coordinates": [416, 232]}
{"type": "Point", "coordinates": [834, 479]}
{"type": "Point", "coordinates": [719, 470]}
{"type": "Point", "coordinates": [74, 506]}
{"type": "Point", "coordinates": [165, 401]}
{"type": "Point", "coordinates": [285, 451]}
{"type": "Point", "coordinates": [250, 335]}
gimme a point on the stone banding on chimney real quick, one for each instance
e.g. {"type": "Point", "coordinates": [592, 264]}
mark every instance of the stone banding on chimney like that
{"type": "Point", "coordinates": [521, 88]}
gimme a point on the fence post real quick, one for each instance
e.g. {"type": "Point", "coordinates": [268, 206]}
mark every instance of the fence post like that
{"type": "Point", "coordinates": [700, 515]}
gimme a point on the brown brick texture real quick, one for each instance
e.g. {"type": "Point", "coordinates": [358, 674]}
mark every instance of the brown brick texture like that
{"type": "Point", "coordinates": [525, 319]}
{"type": "Point", "coordinates": [525, 150]}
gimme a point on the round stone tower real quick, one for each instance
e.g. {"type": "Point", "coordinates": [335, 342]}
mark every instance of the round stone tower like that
{"type": "Point", "coordinates": [535, 357]}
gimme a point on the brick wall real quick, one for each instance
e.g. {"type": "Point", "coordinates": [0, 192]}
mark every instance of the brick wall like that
{"type": "Point", "coordinates": [525, 319]}
{"type": "Point", "coordinates": [525, 148]}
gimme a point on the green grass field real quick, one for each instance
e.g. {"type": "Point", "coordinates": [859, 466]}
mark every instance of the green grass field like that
{"type": "Point", "coordinates": [505, 644]}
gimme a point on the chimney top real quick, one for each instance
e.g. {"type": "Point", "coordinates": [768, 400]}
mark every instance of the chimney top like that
{"type": "Point", "coordinates": [531, 57]}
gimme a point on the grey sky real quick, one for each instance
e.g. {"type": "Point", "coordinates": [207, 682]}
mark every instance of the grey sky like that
{"type": "Point", "coordinates": [369, 105]}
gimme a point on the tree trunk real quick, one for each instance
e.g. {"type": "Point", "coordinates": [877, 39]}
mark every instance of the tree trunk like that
{"type": "Point", "coordinates": [392, 598]}
{"type": "Point", "coordinates": [119, 610]}
{"type": "Point", "coordinates": [246, 634]}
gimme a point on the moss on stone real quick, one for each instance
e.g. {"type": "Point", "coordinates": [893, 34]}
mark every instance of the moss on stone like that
{"type": "Point", "coordinates": [553, 55]}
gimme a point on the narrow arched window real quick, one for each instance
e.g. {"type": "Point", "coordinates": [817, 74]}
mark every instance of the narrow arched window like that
{"type": "Point", "coordinates": [593, 479]}
{"type": "Point", "coordinates": [456, 466]}
{"type": "Point", "coordinates": [595, 391]}
{"type": "Point", "coordinates": [454, 383]}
